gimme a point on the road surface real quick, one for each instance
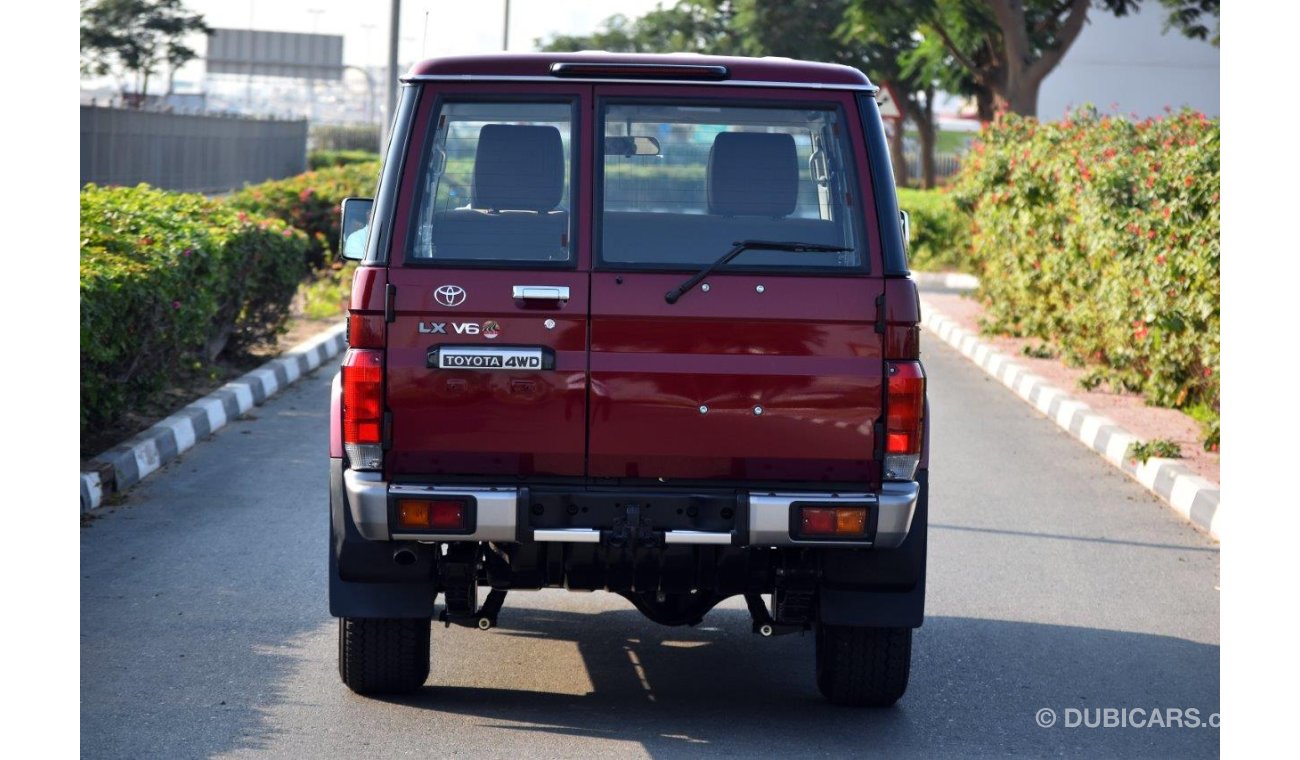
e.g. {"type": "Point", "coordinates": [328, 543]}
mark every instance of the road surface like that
{"type": "Point", "coordinates": [1054, 582]}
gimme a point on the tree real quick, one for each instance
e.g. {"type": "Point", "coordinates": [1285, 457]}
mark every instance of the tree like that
{"type": "Point", "coordinates": [807, 29]}
{"type": "Point", "coordinates": [134, 38]}
{"type": "Point", "coordinates": [690, 26]}
{"type": "Point", "coordinates": [1008, 47]}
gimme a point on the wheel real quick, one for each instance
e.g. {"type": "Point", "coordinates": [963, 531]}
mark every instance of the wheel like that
{"type": "Point", "coordinates": [383, 655]}
{"type": "Point", "coordinates": [863, 667]}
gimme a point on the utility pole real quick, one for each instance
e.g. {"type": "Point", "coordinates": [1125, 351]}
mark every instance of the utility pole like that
{"type": "Point", "coordinates": [394, 23]}
{"type": "Point", "coordinates": [311, 78]}
{"type": "Point", "coordinates": [505, 29]}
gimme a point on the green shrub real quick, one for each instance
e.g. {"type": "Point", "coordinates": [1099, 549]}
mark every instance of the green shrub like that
{"type": "Point", "coordinates": [168, 278]}
{"type": "Point", "coordinates": [1101, 235]}
{"type": "Point", "coordinates": [266, 257]}
{"type": "Point", "coordinates": [321, 159]}
{"type": "Point", "coordinates": [325, 294]}
{"type": "Point", "coordinates": [940, 231]}
{"type": "Point", "coordinates": [310, 202]}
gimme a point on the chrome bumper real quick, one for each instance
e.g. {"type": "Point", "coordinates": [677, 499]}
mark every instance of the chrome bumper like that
{"type": "Point", "coordinates": [496, 510]}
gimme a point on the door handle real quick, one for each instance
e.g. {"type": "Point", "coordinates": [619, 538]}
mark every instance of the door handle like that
{"type": "Point", "coordinates": [541, 292]}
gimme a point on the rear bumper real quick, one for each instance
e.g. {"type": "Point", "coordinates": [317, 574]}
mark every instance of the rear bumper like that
{"type": "Point", "coordinates": [502, 517]}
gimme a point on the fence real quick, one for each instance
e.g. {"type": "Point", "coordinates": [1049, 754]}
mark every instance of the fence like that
{"type": "Point", "coordinates": [196, 153]}
{"type": "Point", "coordinates": [945, 164]}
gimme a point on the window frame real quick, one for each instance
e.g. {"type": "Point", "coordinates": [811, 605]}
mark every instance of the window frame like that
{"type": "Point", "coordinates": [576, 146]}
{"type": "Point", "coordinates": [852, 180]}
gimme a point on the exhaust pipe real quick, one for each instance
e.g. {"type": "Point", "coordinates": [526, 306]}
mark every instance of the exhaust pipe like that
{"type": "Point", "coordinates": [404, 557]}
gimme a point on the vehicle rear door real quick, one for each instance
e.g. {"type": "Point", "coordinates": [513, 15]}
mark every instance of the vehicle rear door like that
{"type": "Point", "coordinates": [487, 347]}
{"type": "Point", "coordinates": [771, 368]}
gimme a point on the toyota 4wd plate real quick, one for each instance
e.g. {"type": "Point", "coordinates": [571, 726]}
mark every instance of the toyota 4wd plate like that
{"type": "Point", "coordinates": [474, 357]}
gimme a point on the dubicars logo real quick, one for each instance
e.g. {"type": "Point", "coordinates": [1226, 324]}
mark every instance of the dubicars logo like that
{"type": "Point", "coordinates": [449, 295]}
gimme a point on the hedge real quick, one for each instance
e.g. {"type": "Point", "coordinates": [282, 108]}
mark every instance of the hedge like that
{"type": "Point", "coordinates": [940, 231]}
{"type": "Point", "coordinates": [1101, 235]}
{"type": "Point", "coordinates": [310, 202]}
{"type": "Point", "coordinates": [321, 159]}
{"type": "Point", "coordinates": [345, 137]}
{"type": "Point", "coordinates": [170, 279]}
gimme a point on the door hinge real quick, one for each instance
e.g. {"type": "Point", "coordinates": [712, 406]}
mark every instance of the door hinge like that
{"type": "Point", "coordinates": [390, 297]}
{"type": "Point", "coordinates": [880, 314]}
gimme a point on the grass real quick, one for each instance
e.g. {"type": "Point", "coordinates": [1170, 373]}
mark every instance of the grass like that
{"type": "Point", "coordinates": [1162, 448]}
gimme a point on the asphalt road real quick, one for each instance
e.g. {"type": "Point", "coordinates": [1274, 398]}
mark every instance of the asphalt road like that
{"type": "Point", "coordinates": [1054, 582]}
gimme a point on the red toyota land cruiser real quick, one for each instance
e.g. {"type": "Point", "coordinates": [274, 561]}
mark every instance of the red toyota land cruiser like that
{"type": "Point", "coordinates": [640, 324]}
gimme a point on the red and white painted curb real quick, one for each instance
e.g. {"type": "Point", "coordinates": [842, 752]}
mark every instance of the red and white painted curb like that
{"type": "Point", "coordinates": [1191, 496]}
{"type": "Point", "coordinates": [128, 463]}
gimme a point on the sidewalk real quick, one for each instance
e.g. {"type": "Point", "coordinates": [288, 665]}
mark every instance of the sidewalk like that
{"type": "Point", "coordinates": [1127, 409]}
{"type": "Point", "coordinates": [1108, 423]}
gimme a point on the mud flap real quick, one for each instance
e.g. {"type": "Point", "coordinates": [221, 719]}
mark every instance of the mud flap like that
{"type": "Point", "coordinates": [880, 588]}
{"type": "Point", "coordinates": [405, 592]}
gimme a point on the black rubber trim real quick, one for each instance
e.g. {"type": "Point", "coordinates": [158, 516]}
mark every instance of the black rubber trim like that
{"type": "Point", "coordinates": [893, 249]}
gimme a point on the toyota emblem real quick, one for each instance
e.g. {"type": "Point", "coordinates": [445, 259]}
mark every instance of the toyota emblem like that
{"type": "Point", "coordinates": [449, 295]}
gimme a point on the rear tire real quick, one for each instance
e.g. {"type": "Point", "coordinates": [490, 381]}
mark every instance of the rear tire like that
{"type": "Point", "coordinates": [383, 655]}
{"type": "Point", "coordinates": [863, 667]}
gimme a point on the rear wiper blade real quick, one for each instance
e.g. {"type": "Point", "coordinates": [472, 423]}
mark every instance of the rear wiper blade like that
{"type": "Point", "coordinates": [743, 245]}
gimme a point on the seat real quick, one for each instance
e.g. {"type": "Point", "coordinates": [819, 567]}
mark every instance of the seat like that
{"type": "Point", "coordinates": [513, 215]}
{"type": "Point", "coordinates": [752, 174]}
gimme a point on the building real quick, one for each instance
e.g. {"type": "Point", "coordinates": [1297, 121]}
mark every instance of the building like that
{"type": "Point", "coordinates": [1130, 66]}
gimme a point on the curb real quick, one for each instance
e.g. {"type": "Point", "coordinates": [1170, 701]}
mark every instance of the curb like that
{"type": "Point", "coordinates": [946, 280]}
{"type": "Point", "coordinates": [1191, 496]}
{"type": "Point", "coordinates": [128, 463]}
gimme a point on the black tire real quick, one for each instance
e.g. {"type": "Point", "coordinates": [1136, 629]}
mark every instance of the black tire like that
{"type": "Point", "coordinates": [383, 655]}
{"type": "Point", "coordinates": [863, 667]}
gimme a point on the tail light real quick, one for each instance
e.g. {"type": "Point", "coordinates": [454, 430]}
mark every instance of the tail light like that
{"type": "Point", "coordinates": [365, 330]}
{"type": "Point", "coordinates": [440, 514]}
{"type": "Point", "coordinates": [831, 522]}
{"type": "Point", "coordinates": [904, 424]}
{"type": "Point", "coordinates": [363, 408]}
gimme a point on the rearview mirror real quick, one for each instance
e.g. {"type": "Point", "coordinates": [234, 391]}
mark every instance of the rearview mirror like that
{"type": "Point", "coordinates": [905, 221]}
{"type": "Point", "coordinates": [637, 145]}
{"type": "Point", "coordinates": [354, 228]}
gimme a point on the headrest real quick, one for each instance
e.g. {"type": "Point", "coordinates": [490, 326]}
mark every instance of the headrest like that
{"type": "Point", "coordinates": [518, 167]}
{"type": "Point", "coordinates": [752, 174]}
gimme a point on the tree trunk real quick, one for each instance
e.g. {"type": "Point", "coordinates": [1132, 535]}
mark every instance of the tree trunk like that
{"type": "Point", "coordinates": [925, 130]}
{"type": "Point", "coordinates": [984, 106]}
{"type": "Point", "coordinates": [896, 155]}
{"type": "Point", "coordinates": [1021, 96]}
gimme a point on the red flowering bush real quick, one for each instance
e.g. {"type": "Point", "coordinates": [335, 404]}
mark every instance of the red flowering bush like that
{"type": "Point", "coordinates": [1101, 236]}
{"type": "Point", "coordinates": [168, 279]}
{"type": "Point", "coordinates": [310, 202]}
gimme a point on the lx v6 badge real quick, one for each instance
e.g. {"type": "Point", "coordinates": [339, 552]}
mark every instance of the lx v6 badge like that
{"type": "Point", "coordinates": [489, 329]}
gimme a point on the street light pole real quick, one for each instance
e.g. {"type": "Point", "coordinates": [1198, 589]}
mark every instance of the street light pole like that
{"type": "Point", "coordinates": [394, 23]}
{"type": "Point", "coordinates": [505, 29]}
{"type": "Point", "coordinates": [311, 78]}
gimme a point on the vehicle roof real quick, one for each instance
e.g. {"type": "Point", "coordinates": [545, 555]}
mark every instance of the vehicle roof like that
{"type": "Point", "coordinates": [740, 70]}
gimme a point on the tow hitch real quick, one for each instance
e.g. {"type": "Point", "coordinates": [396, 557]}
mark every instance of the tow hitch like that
{"type": "Point", "coordinates": [632, 529]}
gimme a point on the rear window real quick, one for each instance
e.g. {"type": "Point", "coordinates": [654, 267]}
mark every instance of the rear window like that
{"type": "Point", "coordinates": [496, 184]}
{"type": "Point", "coordinates": [683, 182]}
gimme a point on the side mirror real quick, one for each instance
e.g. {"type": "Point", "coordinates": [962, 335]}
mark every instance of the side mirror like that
{"type": "Point", "coordinates": [905, 221]}
{"type": "Point", "coordinates": [355, 227]}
